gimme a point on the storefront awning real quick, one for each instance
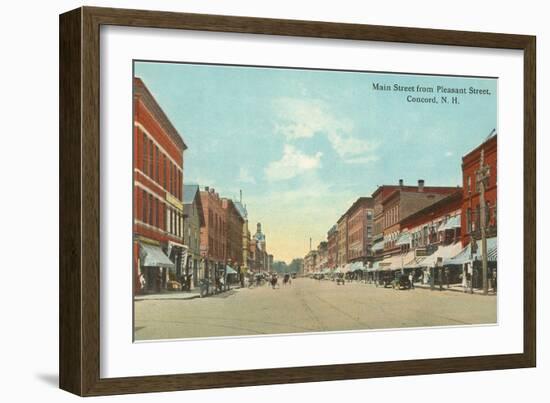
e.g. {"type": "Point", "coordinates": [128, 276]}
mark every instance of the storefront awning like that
{"type": "Point", "coordinates": [415, 263]}
{"type": "Point", "coordinates": [451, 224]}
{"type": "Point", "coordinates": [230, 270]}
{"type": "Point", "coordinates": [153, 256]}
{"type": "Point", "coordinates": [443, 252]}
{"type": "Point", "coordinates": [375, 267]}
{"type": "Point", "coordinates": [378, 246]}
{"type": "Point", "coordinates": [357, 266]}
{"type": "Point", "coordinates": [404, 239]}
{"type": "Point", "coordinates": [393, 262]}
{"type": "Point", "coordinates": [465, 255]}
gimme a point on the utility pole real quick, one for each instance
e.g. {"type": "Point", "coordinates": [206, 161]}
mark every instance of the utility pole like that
{"type": "Point", "coordinates": [482, 177]}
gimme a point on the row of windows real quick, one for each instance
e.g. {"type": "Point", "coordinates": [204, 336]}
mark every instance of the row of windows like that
{"type": "Point", "coordinates": [473, 218]}
{"type": "Point", "coordinates": [157, 214]}
{"type": "Point", "coordinates": [215, 222]}
{"type": "Point", "coordinates": [156, 165]}
{"type": "Point", "coordinates": [472, 184]}
{"type": "Point", "coordinates": [215, 247]}
{"type": "Point", "coordinates": [391, 216]}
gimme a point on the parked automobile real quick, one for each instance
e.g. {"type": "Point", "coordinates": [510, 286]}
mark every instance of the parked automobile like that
{"type": "Point", "coordinates": [401, 281]}
{"type": "Point", "coordinates": [385, 278]}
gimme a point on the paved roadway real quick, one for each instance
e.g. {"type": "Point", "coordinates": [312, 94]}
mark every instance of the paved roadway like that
{"type": "Point", "coordinates": [308, 306]}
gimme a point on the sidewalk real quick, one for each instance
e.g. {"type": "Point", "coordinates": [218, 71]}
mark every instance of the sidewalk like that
{"type": "Point", "coordinates": [454, 288]}
{"type": "Point", "coordinates": [173, 295]}
{"type": "Point", "coordinates": [169, 295]}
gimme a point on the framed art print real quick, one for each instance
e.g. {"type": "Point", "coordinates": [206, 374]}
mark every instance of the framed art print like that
{"type": "Point", "coordinates": [251, 201]}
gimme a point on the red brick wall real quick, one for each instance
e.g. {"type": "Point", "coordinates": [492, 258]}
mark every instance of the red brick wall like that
{"type": "Point", "coordinates": [213, 233]}
{"type": "Point", "coordinates": [332, 249]}
{"type": "Point", "coordinates": [442, 208]}
{"type": "Point", "coordinates": [161, 142]}
{"type": "Point", "coordinates": [234, 238]}
{"type": "Point", "coordinates": [153, 183]}
{"type": "Point", "coordinates": [470, 164]}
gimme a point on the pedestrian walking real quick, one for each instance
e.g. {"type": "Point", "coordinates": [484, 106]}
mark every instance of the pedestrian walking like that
{"type": "Point", "coordinates": [411, 280]}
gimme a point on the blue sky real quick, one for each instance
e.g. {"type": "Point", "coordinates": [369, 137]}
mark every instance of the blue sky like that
{"type": "Point", "coordinates": [304, 144]}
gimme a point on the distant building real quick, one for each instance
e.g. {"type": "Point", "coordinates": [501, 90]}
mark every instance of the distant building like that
{"type": "Point", "coordinates": [259, 250]}
{"type": "Point", "coordinates": [269, 262]}
{"type": "Point", "coordinates": [322, 256]}
{"type": "Point", "coordinates": [213, 233]}
{"type": "Point", "coordinates": [342, 229]}
{"type": "Point", "coordinates": [158, 248]}
{"type": "Point", "coordinates": [192, 224]}
{"type": "Point", "coordinates": [310, 262]}
{"type": "Point", "coordinates": [359, 230]}
{"type": "Point", "coordinates": [332, 247]}
{"type": "Point", "coordinates": [234, 234]}
{"type": "Point", "coordinates": [241, 208]}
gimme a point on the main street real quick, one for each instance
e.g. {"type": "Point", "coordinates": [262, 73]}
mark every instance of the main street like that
{"type": "Point", "coordinates": [308, 305]}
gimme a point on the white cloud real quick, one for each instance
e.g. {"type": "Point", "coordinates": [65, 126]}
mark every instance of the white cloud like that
{"type": "Point", "coordinates": [299, 118]}
{"type": "Point", "coordinates": [362, 160]}
{"type": "Point", "coordinates": [245, 176]}
{"type": "Point", "coordinates": [292, 163]}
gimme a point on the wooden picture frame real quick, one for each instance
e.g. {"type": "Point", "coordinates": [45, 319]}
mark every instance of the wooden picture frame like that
{"type": "Point", "coordinates": [79, 346]}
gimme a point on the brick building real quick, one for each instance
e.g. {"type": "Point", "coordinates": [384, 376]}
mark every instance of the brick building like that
{"type": "Point", "coordinates": [342, 228]}
{"type": "Point", "coordinates": [213, 233]}
{"type": "Point", "coordinates": [437, 224]}
{"type": "Point", "coordinates": [234, 234]}
{"type": "Point", "coordinates": [241, 208]}
{"type": "Point", "coordinates": [332, 247]}
{"type": "Point", "coordinates": [322, 256]}
{"type": "Point", "coordinates": [429, 236]}
{"type": "Point", "coordinates": [403, 201]}
{"type": "Point", "coordinates": [471, 202]}
{"type": "Point", "coordinates": [359, 230]}
{"type": "Point", "coordinates": [192, 224]}
{"type": "Point", "coordinates": [158, 194]}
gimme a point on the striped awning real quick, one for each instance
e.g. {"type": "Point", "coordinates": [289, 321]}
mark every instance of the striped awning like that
{"type": "Point", "coordinates": [153, 256]}
{"type": "Point", "coordinates": [443, 252]}
{"type": "Point", "coordinates": [466, 256]}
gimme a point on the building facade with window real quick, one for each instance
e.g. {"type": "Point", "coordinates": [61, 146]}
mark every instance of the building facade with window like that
{"type": "Point", "coordinates": [322, 256]}
{"type": "Point", "coordinates": [159, 252]}
{"type": "Point", "coordinates": [192, 224]}
{"type": "Point", "coordinates": [213, 234]}
{"type": "Point", "coordinates": [471, 203]}
{"type": "Point", "coordinates": [311, 262]}
{"type": "Point", "coordinates": [332, 246]}
{"type": "Point", "coordinates": [404, 201]}
{"type": "Point", "coordinates": [234, 233]}
{"type": "Point", "coordinates": [245, 234]}
{"type": "Point", "coordinates": [360, 229]}
{"type": "Point", "coordinates": [436, 225]}
{"type": "Point", "coordinates": [342, 228]}
{"type": "Point", "coordinates": [259, 250]}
